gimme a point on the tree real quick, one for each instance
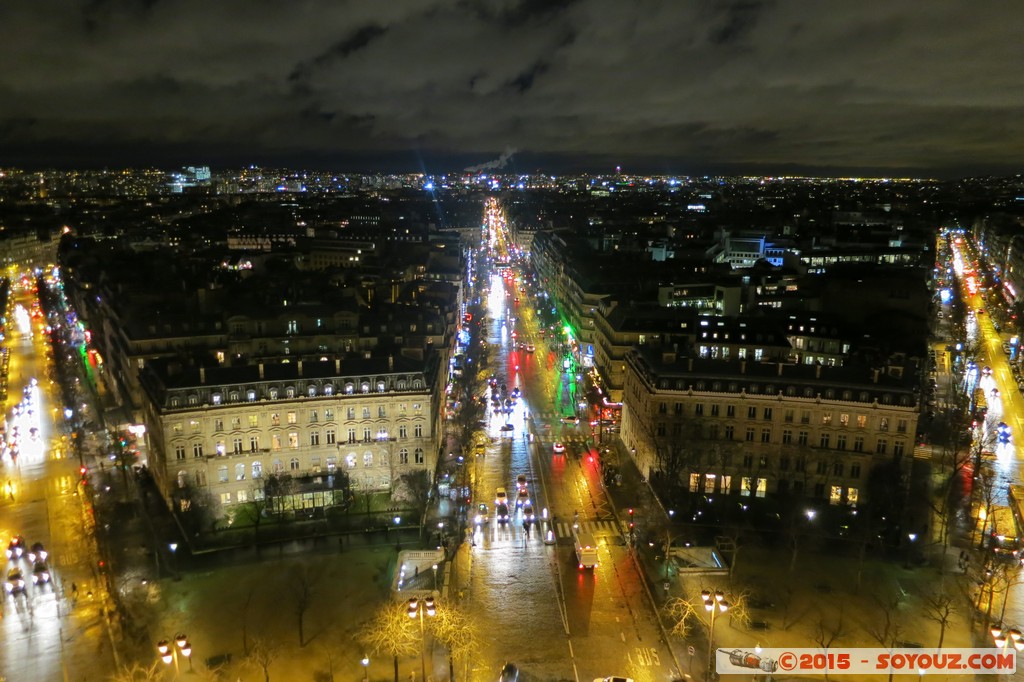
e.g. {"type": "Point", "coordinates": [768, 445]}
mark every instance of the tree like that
{"type": "Point", "coordinates": [827, 631]}
{"type": "Point", "coordinates": [417, 488]}
{"type": "Point", "coordinates": [301, 585]}
{"type": "Point", "coordinates": [391, 632]}
{"type": "Point", "coordinates": [262, 655]}
{"type": "Point", "coordinates": [455, 631]}
{"type": "Point", "coordinates": [138, 673]}
{"type": "Point", "coordinates": [940, 607]}
{"type": "Point", "coordinates": [886, 628]}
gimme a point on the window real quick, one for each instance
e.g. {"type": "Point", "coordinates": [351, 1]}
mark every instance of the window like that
{"type": "Point", "coordinates": [851, 496]}
{"type": "Point", "coordinates": [403, 431]}
{"type": "Point", "coordinates": [176, 428]}
{"type": "Point", "coordinates": [883, 424]}
{"type": "Point", "coordinates": [222, 474]}
{"type": "Point", "coordinates": [200, 477]}
{"type": "Point", "coordinates": [243, 496]}
{"type": "Point", "coordinates": [751, 412]}
{"type": "Point", "coordinates": [403, 456]}
{"type": "Point", "coordinates": [784, 463]}
{"type": "Point", "coordinates": [275, 441]}
{"type": "Point", "coordinates": [825, 438]}
{"type": "Point", "coordinates": [787, 436]}
{"type": "Point", "coordinates": [862, 421]}
{"type": "Point", "coordinates": [901, 426]}
{"type": "Point", "coordinates": [858, 444]}
{"type": "Point", "coordinates": [844, 419]}
{"type": "Point", "coordinates": [800, 464]}
{"type": "Point", "coordinates": [714, 410]}
{"type": "Point", "coordinates": [366, 413]}
{"type": "Point", "coordinates": [236, 446]}
{"type": "Point", "coordinates": [197, 449]}
{"type": "Point", "coordinates": [678, 408]}
{"type": "Point", "coordinates": [275, 419]}
{"type": "Point", "coordinates": [698, 409]}
{"type": "Point", "coordinates": [293, 418]}
{"type": "Point", "coordinates": [193, 425]}
{"type": "Point", "coordinates": [730, 410]}
{"type": "Point", "coordinates": [218, 424]}
{"type": "Point", "coordinates": [382, 411]}
{"type": "Point", "coordinates": [240, 471]}
{"type": "Point", "coordinates": [897, 448]}
{"type": "Point", "coordinates": [766, 435]}
{"type": "Point", "coordinates": [788, 416]}
{"type": "Point", "coordinates": [254, 420]}
{"type": "Point", "coordinates": [694, 483]}
{"type": "Point", "coordinates": [726, 484]}
{"type": "Point", "coordinates": [762, 487]}
{"type": "Point", "coordinates": [254, 443]}
{"type": "Point", "coordinates": [179, 452]}
{"type": "Point", "coordinates": [328, 412]}
{"type": "Point", "coordinates": [819, 490]}
{"type": "Point", "coordinates": [762, 462]}
{"type": "Point", "coordinates": [236, 423]}
{"type": "Point", "coordinates": [312, 417]}
{"type": "Point", "coordinates": [257, 470]}
{"type": "Point", "coordinates": [750, 434]}
{"type": "Point", "coordinates": [837, 468]}
{"type": "Point", "coordinates": [250, 396]}
{"type": "Point", "coordinates": [331, 437]}
{"type": "Point", "coordinates": [366, 435]}
{"type": "Point", "coordinates": [368, 459]}
{"type": "Point", "coordinates": [293, 464]}
{"type": "Point", "coordinates": [332, 464]}
{"type": "Point", "coordinates": [881, 446]}
{"type": "Point", "coordinates": [729, 435]}
{"type": "Point", "coordinates": [801, 438]}
{"type": "Point", "coordinates": [418, 455]}
{"type": "Point", "coordinates": [278, 466]}
{"type": "Point", "coordinates": [417, 430]}
{"type": "Point", "coordinates": [314, 438]}
{"type": "Point", "coordinates": [855, 470]}
{"type": "Point", "coordinates": [225, 498]}
{"type": "Point", "coordinates": [350, 460]}
{"type": "Point", "coordinates": [311, 391]}
{"type": "Point", "coordinates": [662, 408]}
{"type": "Point", "coordinates": [822, 467]}
{"type": "Point", "coordinates": [835, 495]}
{"type": "Point", "coordinates": [350, 413]}
{"type": "Point", "coordinates": [712, 431]}
{"type": "Point", "coordinates": [709, 484]}
{"type": "Point", "coordinates": [293, 439]}
{"type": "Point", "coordinates": [805, 417]}
{"type": "Point", "coordinates": [767, 414]}
{"type": "Point", "coordinates": [745, 486]}
{"type": "Point", "coordinates": [826, 418]}
{"type": "Point", "coordinates": [748, 461]}
{"type": "Point", "coordinates": [841, 441]}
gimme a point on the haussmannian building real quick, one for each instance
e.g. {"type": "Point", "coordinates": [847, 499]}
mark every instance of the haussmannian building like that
{"type": "Point", "coordinates": [223, 430]}
{"type": "Point", "coordinates": [748, 428]}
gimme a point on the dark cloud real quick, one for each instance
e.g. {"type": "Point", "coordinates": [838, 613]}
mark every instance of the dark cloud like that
{"type": "Point", "coordinates": [708, 83]}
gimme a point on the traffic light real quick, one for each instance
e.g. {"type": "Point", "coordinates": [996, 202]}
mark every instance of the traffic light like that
{"type": "Point", "coordinates": [631, 524]}
{"type": "Point", "coordinates": [83, 470]}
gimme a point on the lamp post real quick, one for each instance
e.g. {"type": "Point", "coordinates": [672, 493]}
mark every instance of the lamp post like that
{"type": "Point", "coordinates": [366, 668]}
{"type": "Point", "coordinates": [169, 651]}
{"type": "Point", "coordinates": [1004, 639]}
{"type": "Point", "coordinates": [174, 557]}
{"type": "Point", "coordinates": [420, 609]}
{"type": "Point", "coordinates": [713, 603]}
{"type": "Point", "coordinates": [435, 577]}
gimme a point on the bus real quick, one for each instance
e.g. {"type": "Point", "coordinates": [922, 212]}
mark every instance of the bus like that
{"type": "Point", "coordinates": [980, 405]}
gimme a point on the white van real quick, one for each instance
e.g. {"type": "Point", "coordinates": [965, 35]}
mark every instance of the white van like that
{"type": "Point", "coordinates": [586, 549]}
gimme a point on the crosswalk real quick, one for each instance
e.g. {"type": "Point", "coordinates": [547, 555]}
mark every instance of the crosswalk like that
{"type": "Point", "coordinates": [563, 529]}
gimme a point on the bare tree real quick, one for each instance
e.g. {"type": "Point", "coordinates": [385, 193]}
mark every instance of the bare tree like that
{"type": "Point", "coordinates": [262, 655]}
{"type": "Point", "coordinates": [417, 487]}
{"type": "Point", "coordinates": [302, 586]}
{"type": "Point", "coordinates": [138, 673]}
{"type": "Point", "coordinates": [454, 629]}
{"type": "Point", "coordinates": [827, 631]}
{"type": "Point", "coordinates": [886, 627]}
{"type": "Point", "coordinates": [940, 607]}
{"type": "Point", "coordinates": [245, 621]}
{"type": "Point", "coordinates": [391, 632]}
{"type": "Point", "coordinates": [684, 614]}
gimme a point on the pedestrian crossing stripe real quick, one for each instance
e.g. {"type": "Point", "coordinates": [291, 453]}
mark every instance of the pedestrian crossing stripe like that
{"type": "Point", "coordinates": [563, 529]}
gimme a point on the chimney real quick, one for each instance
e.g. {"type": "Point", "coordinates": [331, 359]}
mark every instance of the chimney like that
{"type": "Point", "coordinates": [337, 365]}
{"type": "Point", "coordinates": [743, 366]}
{"type": "Point", "coordinates": [300, 368]}
{"type": "Point", "coordinates": [261, 370]}
{"type": "Point", "coordinates": [391, 362]}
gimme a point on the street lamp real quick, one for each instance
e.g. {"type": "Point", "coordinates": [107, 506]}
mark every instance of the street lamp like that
{"type": "Point", "coordinates": [714, 604]}
{"type": "Point", "coordinates": [366, 668]}
{"type": "Point", "coordinates": [435, 577]}
{"type": "Point", "coordinates": [174, 556]}
{"type": "Point", "coordinates": [419, 609]}
{"type": "Point", "coordinates": [1003, 638]}
{"type": "Point", "coordinates": [169, 652]}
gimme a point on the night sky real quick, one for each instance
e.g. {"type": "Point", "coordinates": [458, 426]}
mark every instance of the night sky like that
{"type": "Point", "coordinates": [874, 87]}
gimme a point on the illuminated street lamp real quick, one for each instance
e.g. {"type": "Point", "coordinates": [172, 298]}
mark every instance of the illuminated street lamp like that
{"type": "Point", "coordinates": [713, 603]}
{"type": "Point", "coordinates": [169, 652]}
{"type": "Point", "coordinates": [366, 668]}
{"type": "Point", "coordinates": [1006, 638]}
{"type": "Point", "coordinates": [435, 577]}
{"type": "Point", "coordinates": [420, 609]}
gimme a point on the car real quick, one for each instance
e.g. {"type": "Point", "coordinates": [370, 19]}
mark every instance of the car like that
{"type": "Point", "coordinates": [528, 514]}
{"type": "Point", "coordinates": [613, 679]}
{"type": "Point", "coordinates": [558, 449]}
{"type": "Point", "coordinates": [570, 420]}
{"type": "Point", "coordinates": [981, 311]}
{"type": "Point", "coordinates": [521, 481]}
{"type": "Point", "coordinates": [482, 514]}
{"type": "Point", "coordinates": [16, 547]}
{"type": "Point", "coordinates": [994, 392]}
{"type": "Point", "coordinates": [522, 498]}
{"type": "Point", "coordinates": [501, 512]}
{"type": "Point", "coordinates": [509, 673]}
{"type": "Point", "coordinates": [986, 371]}
{"type": "Point", "coordinates": [1003, 432]}
{"type": "Point", "coordinates": [15, 581]}
{"type": "Point", "coordinates": [530, 348]}
{"type": "Point", "coordinates": [500, 496]}
{"type": "Point", "coordinates": [38, 553]}
{"type": "Point", "coordinates": [507, 427]}
{"type": "Point", "coordinates": [40, 573]}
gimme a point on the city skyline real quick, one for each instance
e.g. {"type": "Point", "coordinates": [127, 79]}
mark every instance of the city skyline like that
{"type": "Point", "coordinates": [742, 87]}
